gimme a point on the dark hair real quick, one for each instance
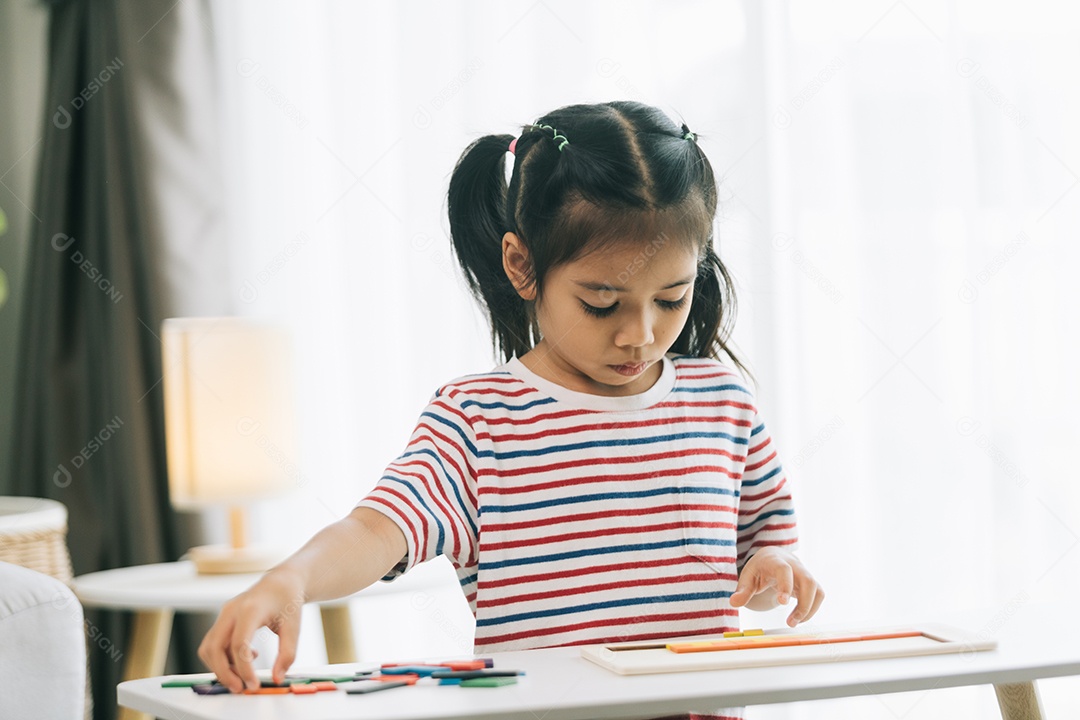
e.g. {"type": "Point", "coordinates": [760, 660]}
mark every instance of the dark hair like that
{"type": "Point", "coordinates": [585, 176]}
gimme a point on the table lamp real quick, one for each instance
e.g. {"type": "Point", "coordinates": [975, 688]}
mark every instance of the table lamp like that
{"type": "Point", "coordinates": [229, 429]}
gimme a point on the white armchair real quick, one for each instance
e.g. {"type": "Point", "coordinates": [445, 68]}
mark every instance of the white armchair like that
{"type": "Point", "coordinates": [42, 647]}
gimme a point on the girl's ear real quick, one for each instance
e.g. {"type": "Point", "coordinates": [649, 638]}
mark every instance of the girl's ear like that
{"type": "Point", "coordinates": [517, 266]}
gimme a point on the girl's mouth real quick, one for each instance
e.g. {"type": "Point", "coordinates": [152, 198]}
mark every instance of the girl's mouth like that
{"type": "Point", "coordinates": [630, 369]}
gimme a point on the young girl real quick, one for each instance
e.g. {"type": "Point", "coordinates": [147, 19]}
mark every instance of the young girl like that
{"type": "Point", "coordinates": [613, 479]}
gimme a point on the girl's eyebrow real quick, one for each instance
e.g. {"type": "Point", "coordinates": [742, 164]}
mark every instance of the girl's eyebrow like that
{"type": "Point", "coordinates": [602, 287]}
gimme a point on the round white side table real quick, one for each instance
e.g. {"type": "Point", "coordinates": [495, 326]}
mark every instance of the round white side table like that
{"type": "Point", "coordinates": [156, 592]}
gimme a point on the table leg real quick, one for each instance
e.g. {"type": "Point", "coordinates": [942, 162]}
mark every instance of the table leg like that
{"type": "Point", "coordinates": [1019, 701]}
{"type": "Point", "coordinates": [338, 634]}
{"type": "Point", "coordinates": [147, 649]}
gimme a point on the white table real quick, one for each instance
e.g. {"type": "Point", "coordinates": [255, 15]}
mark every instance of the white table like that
{"type": "Point", "coordinates": [560, 685]}
{"type": "Point", "coordinates": [156, 592]}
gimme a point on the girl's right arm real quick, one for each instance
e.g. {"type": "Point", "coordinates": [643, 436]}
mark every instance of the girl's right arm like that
{"type": "Point", "coordinates": [339, 560]}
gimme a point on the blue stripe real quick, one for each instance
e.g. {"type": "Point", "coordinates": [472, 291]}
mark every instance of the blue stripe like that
{"type": "Point", "coordinates": [672, 490]}
{"type": "Point", "coordinates": [759, 428]}
{"type": "Point", "coordinates": [712, 388]}
{"type": "Point", "coordinates": [764, 516]}
{"type": "Point", "coordinates": [499, 404]}
{"type": "Point", "coordinates": [468, 579]}
{"type": "Point", "coordinates": [453, 426]}
{"type": "Point", "coordinates": [772, 473]}
{"type": "Point", "coordinates": [625, 602]}
{"type": "Point", "coordinates": [427, 510]}
{"type": "Point", "coordinates": [619, 442]}
{"type": "Point", "coordinates": [588, 552]}
{"type": "Point", "coordinates": [451, 480]}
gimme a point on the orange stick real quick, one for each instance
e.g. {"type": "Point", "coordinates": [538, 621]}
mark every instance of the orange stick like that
{"type": "Point", "coordinates": [744, 643]}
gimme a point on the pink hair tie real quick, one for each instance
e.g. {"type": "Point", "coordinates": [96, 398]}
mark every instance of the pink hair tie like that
{"type": "Point", "coordinates": [513, 145]}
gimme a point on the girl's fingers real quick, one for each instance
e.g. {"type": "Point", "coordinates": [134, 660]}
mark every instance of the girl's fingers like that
{"type": "Point", "coordinates": [819, 596]}
{"type": "Point", "coordinates": [747, 587]}
{"type": "Point", "coordinates": [785, 583]}
{"type": "Point", "coordinates": [810, 598]}
{"type": "Point", "coordinates": [215, 655]}
{"type": "Point", "coordinates": [288, 634]}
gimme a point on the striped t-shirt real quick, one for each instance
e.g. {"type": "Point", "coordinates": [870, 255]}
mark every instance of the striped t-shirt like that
{"type": "Point", "coordinates": [574, 518]}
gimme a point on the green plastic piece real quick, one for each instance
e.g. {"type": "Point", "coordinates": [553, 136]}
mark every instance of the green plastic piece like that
{"type": "Point", "coordinates": [489, 682]}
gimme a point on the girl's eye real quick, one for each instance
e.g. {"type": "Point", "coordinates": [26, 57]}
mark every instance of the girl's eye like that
{"type": "Point", "coordinates": [672, 304]}
{"type": "Point", "coordinates": [606, 311]}
{"type": "Point", "coordinates": [598, 311]}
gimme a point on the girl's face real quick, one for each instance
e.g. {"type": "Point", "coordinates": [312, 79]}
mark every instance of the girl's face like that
{"type": "Point", "coordinates": [607, 319]}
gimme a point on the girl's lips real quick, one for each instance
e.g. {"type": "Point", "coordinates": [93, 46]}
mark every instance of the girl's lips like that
{"type": "Point", "coordinates": [630, 369]}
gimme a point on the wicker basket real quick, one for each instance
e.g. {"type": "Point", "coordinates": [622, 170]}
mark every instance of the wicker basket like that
{"type": "Point", "coordinates": [33, 534]}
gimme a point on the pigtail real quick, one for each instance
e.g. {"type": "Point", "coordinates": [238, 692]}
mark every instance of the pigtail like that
{"type": "Point", "coordinates": [712, 314]}
{"type": "Point", "coordinates": [476, 203]}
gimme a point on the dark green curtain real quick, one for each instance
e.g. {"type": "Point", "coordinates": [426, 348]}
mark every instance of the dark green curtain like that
{"type": "Point", "coordinates": [121, 155]}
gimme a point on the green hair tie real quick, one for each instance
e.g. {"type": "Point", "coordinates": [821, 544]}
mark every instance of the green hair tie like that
{"type": "Point", "coordinates": [689, 136]}
{"type": "Point", "coordinates": [554, 135]}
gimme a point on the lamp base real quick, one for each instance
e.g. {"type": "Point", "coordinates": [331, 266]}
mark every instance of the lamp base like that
{"type": "Point", "coordinates": [227, 560]}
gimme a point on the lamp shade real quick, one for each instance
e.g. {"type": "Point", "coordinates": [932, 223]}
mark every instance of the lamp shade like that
{"type": "Point", "coordinates": [229, 425]}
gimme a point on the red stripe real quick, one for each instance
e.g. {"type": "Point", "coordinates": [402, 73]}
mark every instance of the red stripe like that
{"type": "Point", "coordinates": [611, 426]}
{"type": "Point", "coordinates": [745, 512]}
{"type": "Point", "coordinates": [597, 515]}
{"type": "Point", "coordinates": [766, 543]}
{"type": "Point", "coordinates": [770, 528]}
{"type": "Point", "coordinates": [704, 403]}
{"type": "Point", "coordinates": [610, 622]}
{"type": "Point", "coordinates": [453, 410]}
{"type": "Point", "coordinates": [488, 584]}
{"type": "Point", "coordinates": [538, 417]}
{"type": "Point", "coordinates": [397, 511]}
{"type": "Point", "coordinates": [500, 392]}
{"type": "Point", "coordinates": [485, 378]}
{"type": "Point", "coordinates": [758, 464]}
{"type": "Point", "coordinates": [755, 450]}
{"type": "Point", "coordinates": [593, 479]}
{"type": "Point", "coordinates": [583, 589]}
{"type": "Point", "coordinates": [509, 472]}
{"type": "Point", "coordinates": [601, 532]}
{"type": "Point", "coordinates": [760, 496]}
{"type": "Point", "coordinates": [445, 506]}
{"type": "Point", "coordinates": [468, 480]}
{"type": "Point", "coordinates": [688, 376]}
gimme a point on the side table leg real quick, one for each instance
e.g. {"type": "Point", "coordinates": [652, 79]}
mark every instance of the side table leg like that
{"type": "Point", "coordinates": [338, 634]}
{"type": "Point", "coordinates": [147, 649]}
{"type": "Point", "coordinates": [1019, 701]}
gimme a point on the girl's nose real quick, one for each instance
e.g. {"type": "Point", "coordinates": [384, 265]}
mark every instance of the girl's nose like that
{"type": "Point", "coordinates": [635, 332]}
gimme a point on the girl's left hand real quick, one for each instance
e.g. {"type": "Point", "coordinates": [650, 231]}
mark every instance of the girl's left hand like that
{"type": "Point", "coordinates": [770, 577]}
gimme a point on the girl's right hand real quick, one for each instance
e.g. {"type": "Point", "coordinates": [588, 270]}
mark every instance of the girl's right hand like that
{"type": "Point", "coordinates": [275, 601]}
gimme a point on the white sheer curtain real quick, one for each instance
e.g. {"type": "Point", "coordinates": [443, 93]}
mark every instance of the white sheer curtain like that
{"type": "Point", "coordinates": [898, 207]}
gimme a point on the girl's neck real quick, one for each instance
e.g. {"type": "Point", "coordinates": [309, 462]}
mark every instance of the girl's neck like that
{"type": "Point", "coordinates": [550, 365]}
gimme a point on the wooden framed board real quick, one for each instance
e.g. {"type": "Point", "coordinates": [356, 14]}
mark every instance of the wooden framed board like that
{"type": "Point", "coordinates": [782, 647]}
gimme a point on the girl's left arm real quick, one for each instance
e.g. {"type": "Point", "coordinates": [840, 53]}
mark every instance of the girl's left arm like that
{"type": "Point", "coordinates": [769, 574]}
